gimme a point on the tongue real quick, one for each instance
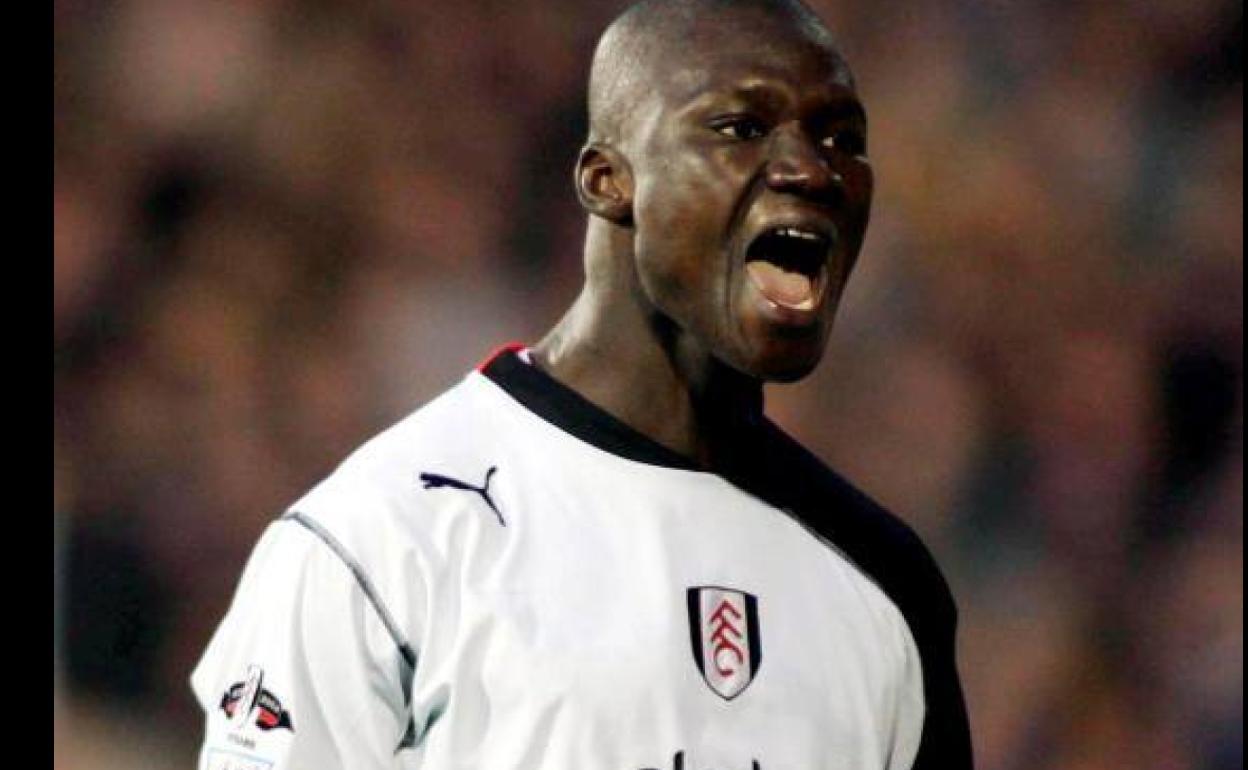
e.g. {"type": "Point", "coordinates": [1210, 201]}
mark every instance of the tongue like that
{"type": "Point", "coordinates": [781, 286]}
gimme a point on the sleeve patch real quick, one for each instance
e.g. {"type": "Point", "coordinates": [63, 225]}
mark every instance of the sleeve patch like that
{"type": "Point", "coordinates": [245, 699]}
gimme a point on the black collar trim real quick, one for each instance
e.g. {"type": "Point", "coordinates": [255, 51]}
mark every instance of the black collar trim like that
{"type": "Point", "coordinates": [572, 413]}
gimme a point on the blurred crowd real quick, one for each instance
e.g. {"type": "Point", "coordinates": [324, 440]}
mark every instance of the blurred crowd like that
{"type": "Point", "coordinates": [280, 226]}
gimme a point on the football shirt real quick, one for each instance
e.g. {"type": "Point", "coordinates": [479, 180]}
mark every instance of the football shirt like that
{"type": "Point", "coordinates": [512, 579]}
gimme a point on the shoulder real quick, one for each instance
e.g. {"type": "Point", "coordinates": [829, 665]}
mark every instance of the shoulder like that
{"type": "Point", "coordinates": [376, 510]}
{"type": "Point", "coordinates": [891, 554]}
{"type": "Point", "coordinates": [877, 541]}
{"type": "Point", "coordinates": [378, 484]}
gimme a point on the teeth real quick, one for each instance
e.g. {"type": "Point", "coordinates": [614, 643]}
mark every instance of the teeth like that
{"type": "Point", "coordinates": [793, 232]}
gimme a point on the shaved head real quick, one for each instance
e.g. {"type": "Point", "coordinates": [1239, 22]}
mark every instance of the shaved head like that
{"type": "Point", "coordinates": [653, 39]}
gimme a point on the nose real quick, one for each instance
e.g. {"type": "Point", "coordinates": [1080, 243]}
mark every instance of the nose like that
{"type": "Point", "coordinates": [797, 166]}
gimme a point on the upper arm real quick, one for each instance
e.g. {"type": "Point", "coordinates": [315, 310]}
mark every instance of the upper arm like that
{"type": "Point", "coordinates": [303, 672]}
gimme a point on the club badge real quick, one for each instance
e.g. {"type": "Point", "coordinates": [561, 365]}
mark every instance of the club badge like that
{"type": "Point", "coordinates": [723, 630]}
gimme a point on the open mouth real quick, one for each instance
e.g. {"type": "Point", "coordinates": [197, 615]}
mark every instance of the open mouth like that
{"type": "Point", "coordinates": [788, 265]}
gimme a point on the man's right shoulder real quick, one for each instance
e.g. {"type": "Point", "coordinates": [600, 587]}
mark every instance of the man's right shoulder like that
{"type": "Point", "coordinates": [376, 498]}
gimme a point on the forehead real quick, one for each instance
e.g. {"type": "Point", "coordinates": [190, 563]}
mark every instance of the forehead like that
{"type": "Point", "coordinates": [744, 51]}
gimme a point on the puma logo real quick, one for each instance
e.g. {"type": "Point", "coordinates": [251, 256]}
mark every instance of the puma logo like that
{"type": "Point", "coordinates": [436, 481]}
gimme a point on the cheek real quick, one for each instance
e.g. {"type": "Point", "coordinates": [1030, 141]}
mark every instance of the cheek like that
{"type": "Point", "coordinates": [668, 270]}
{"type": "Point", "coordinates": [681, 219]}
{"type": "Point", "coordinates": [860, 188]}
{"type": "Point", "coordinates": [682, 195]}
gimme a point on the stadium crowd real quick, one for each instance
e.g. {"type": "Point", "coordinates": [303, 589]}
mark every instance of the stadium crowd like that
{"type": "Point", "coordinates": [279, 226]}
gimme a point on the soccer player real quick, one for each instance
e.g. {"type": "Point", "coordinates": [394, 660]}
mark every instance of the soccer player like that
{"type": "Point", "coordinates": [596, 552]}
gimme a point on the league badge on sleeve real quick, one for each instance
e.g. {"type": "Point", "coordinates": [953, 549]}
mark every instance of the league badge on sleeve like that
{"type": "Point", "coordinates": [723, 629]}
{"type": "Point", "coordinates": [244, 698]}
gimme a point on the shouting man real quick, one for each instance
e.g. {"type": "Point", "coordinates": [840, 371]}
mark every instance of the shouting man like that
{"type": "Point", "coordinates": [597, 552]}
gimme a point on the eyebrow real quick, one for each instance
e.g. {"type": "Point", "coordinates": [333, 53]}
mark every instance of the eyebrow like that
{"type": "Point", "coordinates": [849, 108]}
{"type": "Point", "coordinates": [840, 107]}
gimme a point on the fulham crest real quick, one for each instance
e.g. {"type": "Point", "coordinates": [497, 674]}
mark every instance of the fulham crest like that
{"type": "Point", "coordinates": [723, 629]}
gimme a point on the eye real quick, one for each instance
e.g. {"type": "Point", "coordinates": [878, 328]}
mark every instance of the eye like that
{"type": "Point", "coordinates": [742, 127]}
{"type": "Point", "coordinates": [849, 141]}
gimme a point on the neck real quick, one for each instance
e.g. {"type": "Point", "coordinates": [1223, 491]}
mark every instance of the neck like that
{"type": "Point", "coordinates": [644, 370]}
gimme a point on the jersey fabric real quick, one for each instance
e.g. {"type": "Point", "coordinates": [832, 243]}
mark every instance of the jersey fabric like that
{"type": "Point", "coordinates": [512, 579]}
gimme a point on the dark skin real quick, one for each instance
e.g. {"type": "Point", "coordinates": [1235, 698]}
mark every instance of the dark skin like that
{"type": "Point", "coordinates": [741, 120]}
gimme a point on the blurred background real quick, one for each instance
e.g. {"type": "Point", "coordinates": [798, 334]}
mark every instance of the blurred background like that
{"type": "Point", "coordinates": [280, 226]}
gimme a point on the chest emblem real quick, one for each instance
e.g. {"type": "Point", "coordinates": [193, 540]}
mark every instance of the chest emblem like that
{"type": "Point", "coordinates": [723, 630]}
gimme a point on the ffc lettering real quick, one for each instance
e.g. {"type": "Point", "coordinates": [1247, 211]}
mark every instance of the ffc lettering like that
{"type": "Point", "coordinates": [724, 631]}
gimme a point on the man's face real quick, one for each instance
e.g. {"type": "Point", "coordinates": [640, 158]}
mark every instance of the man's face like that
{"type": "Point", "coordinates": [751, 191]}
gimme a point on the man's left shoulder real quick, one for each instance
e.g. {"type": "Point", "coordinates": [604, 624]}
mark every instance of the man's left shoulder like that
{"type": "Point", "coordinates": [875, 539]}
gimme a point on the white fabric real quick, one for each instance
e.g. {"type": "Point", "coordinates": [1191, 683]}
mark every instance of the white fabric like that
{"type": "Point", "coordinates": [562, 639]}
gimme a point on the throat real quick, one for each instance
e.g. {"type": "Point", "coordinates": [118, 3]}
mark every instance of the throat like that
{"type": "Point", "coordinates": [715, 406]}
{"type": "Point", "coordinates": [664, 385]}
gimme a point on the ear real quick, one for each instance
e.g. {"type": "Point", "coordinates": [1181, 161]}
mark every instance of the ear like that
{"type": "Point", "coordinates": [604, 183]}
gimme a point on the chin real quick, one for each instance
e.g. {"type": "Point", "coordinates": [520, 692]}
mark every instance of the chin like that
{"type": "Point", "coordinates": [784, 362]}
{"type": "Point", "coordinates": [780, 347]}
{"type": "Point", "coordinates": [787, 372]}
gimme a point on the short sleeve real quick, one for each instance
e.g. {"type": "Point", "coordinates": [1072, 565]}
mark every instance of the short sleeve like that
{"type": "Point", "coordinates": [910, 710]}
{"type": "Point", "coordinates": [302, 672]}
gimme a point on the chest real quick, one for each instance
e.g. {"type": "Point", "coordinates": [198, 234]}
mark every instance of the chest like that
{"type": "Point", "coordinates": [654, 620]}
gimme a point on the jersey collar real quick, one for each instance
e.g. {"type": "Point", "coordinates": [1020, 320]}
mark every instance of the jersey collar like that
{"type": "Point", "coordinates": [573, 413]}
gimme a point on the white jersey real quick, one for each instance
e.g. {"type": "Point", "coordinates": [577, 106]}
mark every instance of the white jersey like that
{"type": "Point", "coordinates": [511, 579]}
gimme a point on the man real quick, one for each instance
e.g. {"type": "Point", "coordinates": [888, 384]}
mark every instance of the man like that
{"type": "Point", "coordinates": [597, 552]}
